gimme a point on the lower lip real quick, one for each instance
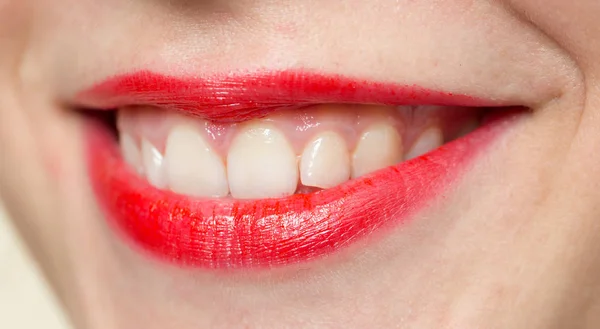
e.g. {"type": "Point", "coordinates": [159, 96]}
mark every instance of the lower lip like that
{"type": "Point", "coordinates": [227, 233]}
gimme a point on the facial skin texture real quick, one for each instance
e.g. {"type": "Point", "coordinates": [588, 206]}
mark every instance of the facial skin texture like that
{"type": "Point", "coordinates": [516, 244]}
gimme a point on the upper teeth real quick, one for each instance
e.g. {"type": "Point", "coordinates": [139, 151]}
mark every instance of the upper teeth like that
{"type": "Point", "coordinates": [131, 152]}
{"type": "Point", "coordinates": [325, 161]}
{"type": "Point", "coordinates": [430, 139]}
{"type": "Point", "coordinates": [261, 163]}
{"type": "Point", "coordinates": [152, 161]}
{"type": "Point", "coordinates": [259, 160]}
{"type": "Point", "coordinates": [192, 167]}
{"type": "Point", "coordinates": [379, 146]}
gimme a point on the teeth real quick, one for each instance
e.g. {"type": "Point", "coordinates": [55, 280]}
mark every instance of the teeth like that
{"type": "Point", "coordinates": [256, 160]}
{"type": "Point", "coordinates": [429, 140]}
{"type": "Point", "coordinates": [325, 161]}
{"type": "Point", "coordinates": [261, 163]}
{"type": "Point", "coordinates": [380, 146]}
{"type": "Point", "coordinates": [153, 164]}
{"type": "Point", "coordinates": [193, 168]}
{"type": "Point", "coordinates": [131, 152]}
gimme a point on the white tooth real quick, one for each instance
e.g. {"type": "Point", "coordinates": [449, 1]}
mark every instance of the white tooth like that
{"type": "Point", "coordinates": [153, 165]}
{"type": "Point", "coordinates": [131, 152]}
{"type": "Point", "coordinates": [380, 146]}
{"type": "Point", "coordinates": [261, 163]}
{"type": "Point", "coordinates": [429, 140]}
{"type": "Point", "coordinates": [325, 161]}
{"type": "Point", "coordinates": [192, 167]}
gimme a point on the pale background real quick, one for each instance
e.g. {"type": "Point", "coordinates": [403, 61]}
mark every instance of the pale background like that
{"type": "Point", "coordinates": [25, 300]}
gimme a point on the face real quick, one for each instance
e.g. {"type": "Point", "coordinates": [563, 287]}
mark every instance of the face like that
{"type": "Point", "coordinates": [275, 164]}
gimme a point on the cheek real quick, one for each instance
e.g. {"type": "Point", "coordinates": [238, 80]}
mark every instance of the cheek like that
{"type": "Point", "coordinates": [53, 162]}
{"type": "Point", "coordinates": [55, 133]}
{"type": "Point", "coordinates": [573, 25]}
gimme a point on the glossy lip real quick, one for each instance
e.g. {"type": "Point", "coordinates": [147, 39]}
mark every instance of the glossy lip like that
{"type": "Point", "coordinates": [240, 97]}
{"type": "Point", "coordinates": [228, 233]}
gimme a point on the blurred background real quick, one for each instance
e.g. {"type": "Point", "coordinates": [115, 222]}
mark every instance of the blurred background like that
{"type": "Point", "coordinates": [25, 300]}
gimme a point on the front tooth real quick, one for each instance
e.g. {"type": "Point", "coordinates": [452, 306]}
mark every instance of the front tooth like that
{"type": "Point", "coordinates": [380, 146]}
{"type": "Point", "coordinates": [131, 152]}
{"type": "Point", "coordinates": [153, 164]}
{"type": "Point", "coordinates": [261, 163]}
{"type": "Point", "coordinates": [325, 161]}
{"type": "Point", "coordinates": [193, 168]}
{"type": "Point", "coordinates": [429, 140]}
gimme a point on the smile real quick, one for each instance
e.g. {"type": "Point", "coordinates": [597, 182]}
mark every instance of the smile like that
{"type": "Point", "coordinates": [273, 169]}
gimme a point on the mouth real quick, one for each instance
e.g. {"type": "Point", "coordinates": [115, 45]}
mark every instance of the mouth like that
{"type": "Point", "coordinates": [274, 169]}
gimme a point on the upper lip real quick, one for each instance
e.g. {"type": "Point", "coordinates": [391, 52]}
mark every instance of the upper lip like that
{"type": "Point", "coordinates": [228, 233]}
{"type": "Point", "coordinates": [239, 97]}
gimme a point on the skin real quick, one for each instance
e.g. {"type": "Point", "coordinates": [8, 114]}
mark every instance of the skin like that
{"type": "Point", "coordinates": [515, 244]}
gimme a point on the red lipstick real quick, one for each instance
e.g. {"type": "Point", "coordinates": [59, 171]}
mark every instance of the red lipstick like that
{"type": "Point", "coordinates": [229, 233]}
{"type": "Point", "coordinates": [230, 98]}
